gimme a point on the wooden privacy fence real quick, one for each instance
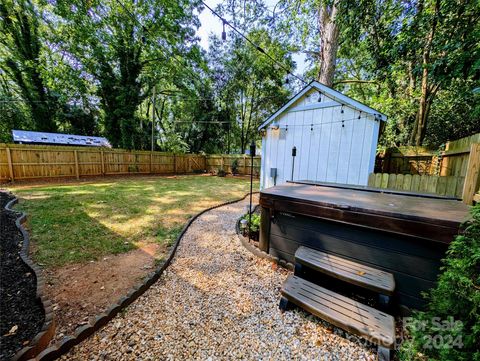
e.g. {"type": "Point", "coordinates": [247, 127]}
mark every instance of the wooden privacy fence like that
{"type": "Point", "coordinates": [406, 160]}
{"type": "Point", "coordinates": [21, 161]}
{"type": "Point", "coordinates": [446, 186]}
{"type": "Point", "coordinates": [226, 162]}
{"type": "Point", "coordinates": [453, 172]}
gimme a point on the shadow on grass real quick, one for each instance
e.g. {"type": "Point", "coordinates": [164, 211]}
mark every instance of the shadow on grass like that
{"type": "Point", "coordinates": [81, 222]}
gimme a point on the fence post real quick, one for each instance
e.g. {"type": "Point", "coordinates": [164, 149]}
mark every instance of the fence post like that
{"type": "Point", "coordinates": [244, 165]}
{"type": "Point", "coordinates": [77, 173]}
{"type": "Point", "coordinates": [10, 164]}
{"type": "Point", "coordinates": [387, 158]}
{"type": "Point", "coordinates": [221, 163]}
{"type": "Point", "coordinates": [174, 164]}
{"type": "Point", "coordinates": [151, 161]}
{"type": "Point", "coordinates": [470, 186]}
{"type": "Point", "coordinates": [103, 162]}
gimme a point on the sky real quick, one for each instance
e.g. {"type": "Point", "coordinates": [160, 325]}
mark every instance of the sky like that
{"type": "Point", "coordinates": [212, 24]}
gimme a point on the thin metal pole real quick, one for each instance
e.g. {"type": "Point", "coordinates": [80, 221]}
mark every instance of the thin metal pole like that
{"type": "Point", "coordinates": [252, 154]}
{"type": "Point", "coordinates": [294, 154]}
{"type": "Point", "coordinates": [228, 139]}
{"type": "Point", "coordinates": [153, 116]}
{"type": "Point", "coordinates": [293, 166]}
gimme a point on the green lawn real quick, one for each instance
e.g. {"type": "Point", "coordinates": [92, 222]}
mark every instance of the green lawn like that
{"type": "Point", "coordinates": [79, 222]}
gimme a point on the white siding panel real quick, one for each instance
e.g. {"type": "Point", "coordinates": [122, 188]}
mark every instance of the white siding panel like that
{"type": "Point", "coordinates": [366, 150]}
{"type": "Point", "coordinates": [303, 151]}
{"type": "Point", "coordinates": [356, 151]}
{"type": "Point", "coordinates": [298, 141]}
{"type": "Point", "coordinates": [334, 149]}
{"type": "Point", "coordinates": [266, 162]}
{"type": "Point", "coordinates": [289, 143]}
{"type": "Point", "coordinates": [373, 147]}
{"type": "Point", "coordinates": [274, 150]}
{"type": "Point", "coordinates": [325, 132]}
{"type": "Point", "coordinates": [314, 145]}
{"type": "Point", "coordinates": [346, 134]}
{"type": "Point", "coordinates": [270, 151]}
{"type": "Point", "coordinates": [262, 164]}
{"type": "Point", "coordinates": [281, 149]}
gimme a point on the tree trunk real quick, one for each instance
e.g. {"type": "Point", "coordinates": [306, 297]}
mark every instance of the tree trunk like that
{"type": "Point", "coordinates": [329, 41]}
{"type": "Point", "coordinates": [420, 126]}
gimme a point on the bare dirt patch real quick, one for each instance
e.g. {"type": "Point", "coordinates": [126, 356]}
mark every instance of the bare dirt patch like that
{"type": "Point", "coordinates": [81, 291]}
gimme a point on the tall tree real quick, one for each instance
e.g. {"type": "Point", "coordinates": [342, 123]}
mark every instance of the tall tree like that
{"type": "Point", "coordinates": [315, 28]}
{"type": "Point", "coordinates": [22, 46]}
{"type": "Point", "coordinates": [252, 87]}
{"type": "Point", "coordinates": [448, 34]}
{"type": "Point", "coordinates": [329, 29]}
{"type": "Point", "coordinates": [117, 42]}
{"type": "Point", "coordinates": [419, 49]}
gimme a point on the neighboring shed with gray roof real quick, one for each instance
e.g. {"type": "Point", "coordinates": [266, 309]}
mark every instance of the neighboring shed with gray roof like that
{"type": "Point", "coordinates": [29, 137]}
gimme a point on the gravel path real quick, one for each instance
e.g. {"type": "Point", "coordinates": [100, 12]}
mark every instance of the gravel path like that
{"type": "Point", "coordinates": [217, 301]}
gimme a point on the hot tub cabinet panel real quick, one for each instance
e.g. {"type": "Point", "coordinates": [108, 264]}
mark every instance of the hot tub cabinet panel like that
{"type": "Point", "coordinates": [368, 235]}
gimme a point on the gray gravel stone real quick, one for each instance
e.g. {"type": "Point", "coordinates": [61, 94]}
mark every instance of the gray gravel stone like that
{"type": "Point", "coordinates": [217, 302]}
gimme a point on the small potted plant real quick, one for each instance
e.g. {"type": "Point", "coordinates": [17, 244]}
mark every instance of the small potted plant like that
{"type": "Point", "coordinates": [254, 227]}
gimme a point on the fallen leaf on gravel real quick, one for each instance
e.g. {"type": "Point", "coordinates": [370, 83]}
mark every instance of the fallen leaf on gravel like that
{"type": "Point", "coordinates": [12, 331]}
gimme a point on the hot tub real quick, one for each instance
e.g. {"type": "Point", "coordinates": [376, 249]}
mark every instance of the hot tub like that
{"type": "Point", "coordinates": [403, 233]}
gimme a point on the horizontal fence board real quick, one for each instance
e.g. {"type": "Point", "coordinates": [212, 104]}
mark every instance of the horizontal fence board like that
{"type": "Point", "coordinates": [42, 161]}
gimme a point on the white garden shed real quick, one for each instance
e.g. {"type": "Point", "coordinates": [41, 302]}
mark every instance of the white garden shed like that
{"type": "Point", "coordinates": [334, 135]}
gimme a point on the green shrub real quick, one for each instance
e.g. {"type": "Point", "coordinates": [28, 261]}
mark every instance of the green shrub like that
{"type": "Point", "coordinates": [456, 298]}
{"type": "Point", "coordinates": [234, 167]}
{"type": "Point", "coordinates": [133, 168]}
{"type": "Point", "coordinates": [255, 227]}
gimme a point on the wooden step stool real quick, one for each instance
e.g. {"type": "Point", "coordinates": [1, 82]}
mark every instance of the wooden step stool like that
{"type": "Point", "coordinates": [351, 272]}
{"type": "Point", "coordinates": [352, 316]}
{"type": "Point", "coordinates": [343, 312]}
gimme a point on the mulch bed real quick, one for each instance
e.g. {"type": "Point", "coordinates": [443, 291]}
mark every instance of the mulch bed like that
{"type": "Point", "coordinates": [21, 313]}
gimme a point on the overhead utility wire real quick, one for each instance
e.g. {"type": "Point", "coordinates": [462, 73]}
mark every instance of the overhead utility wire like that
{"type": "Point", "coordinates": [178, 96]}
{"type": "Point", "coordinates": [258, 48]}
{"type": "Point", "coordinates": [174, 56]}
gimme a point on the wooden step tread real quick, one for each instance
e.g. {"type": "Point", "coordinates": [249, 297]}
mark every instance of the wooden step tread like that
{"type": "Point", "coordinates": [343, 312]}
{"type": "Point", "coordinates": [348, 271]}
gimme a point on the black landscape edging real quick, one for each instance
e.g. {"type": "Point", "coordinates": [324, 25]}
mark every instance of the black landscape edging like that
{"type": "Point", "coordinates": [41, 340]}
{"type": "Point", "coordinates": [85, 331]}
{"type": "Point", "coordinates": [256, 251]}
